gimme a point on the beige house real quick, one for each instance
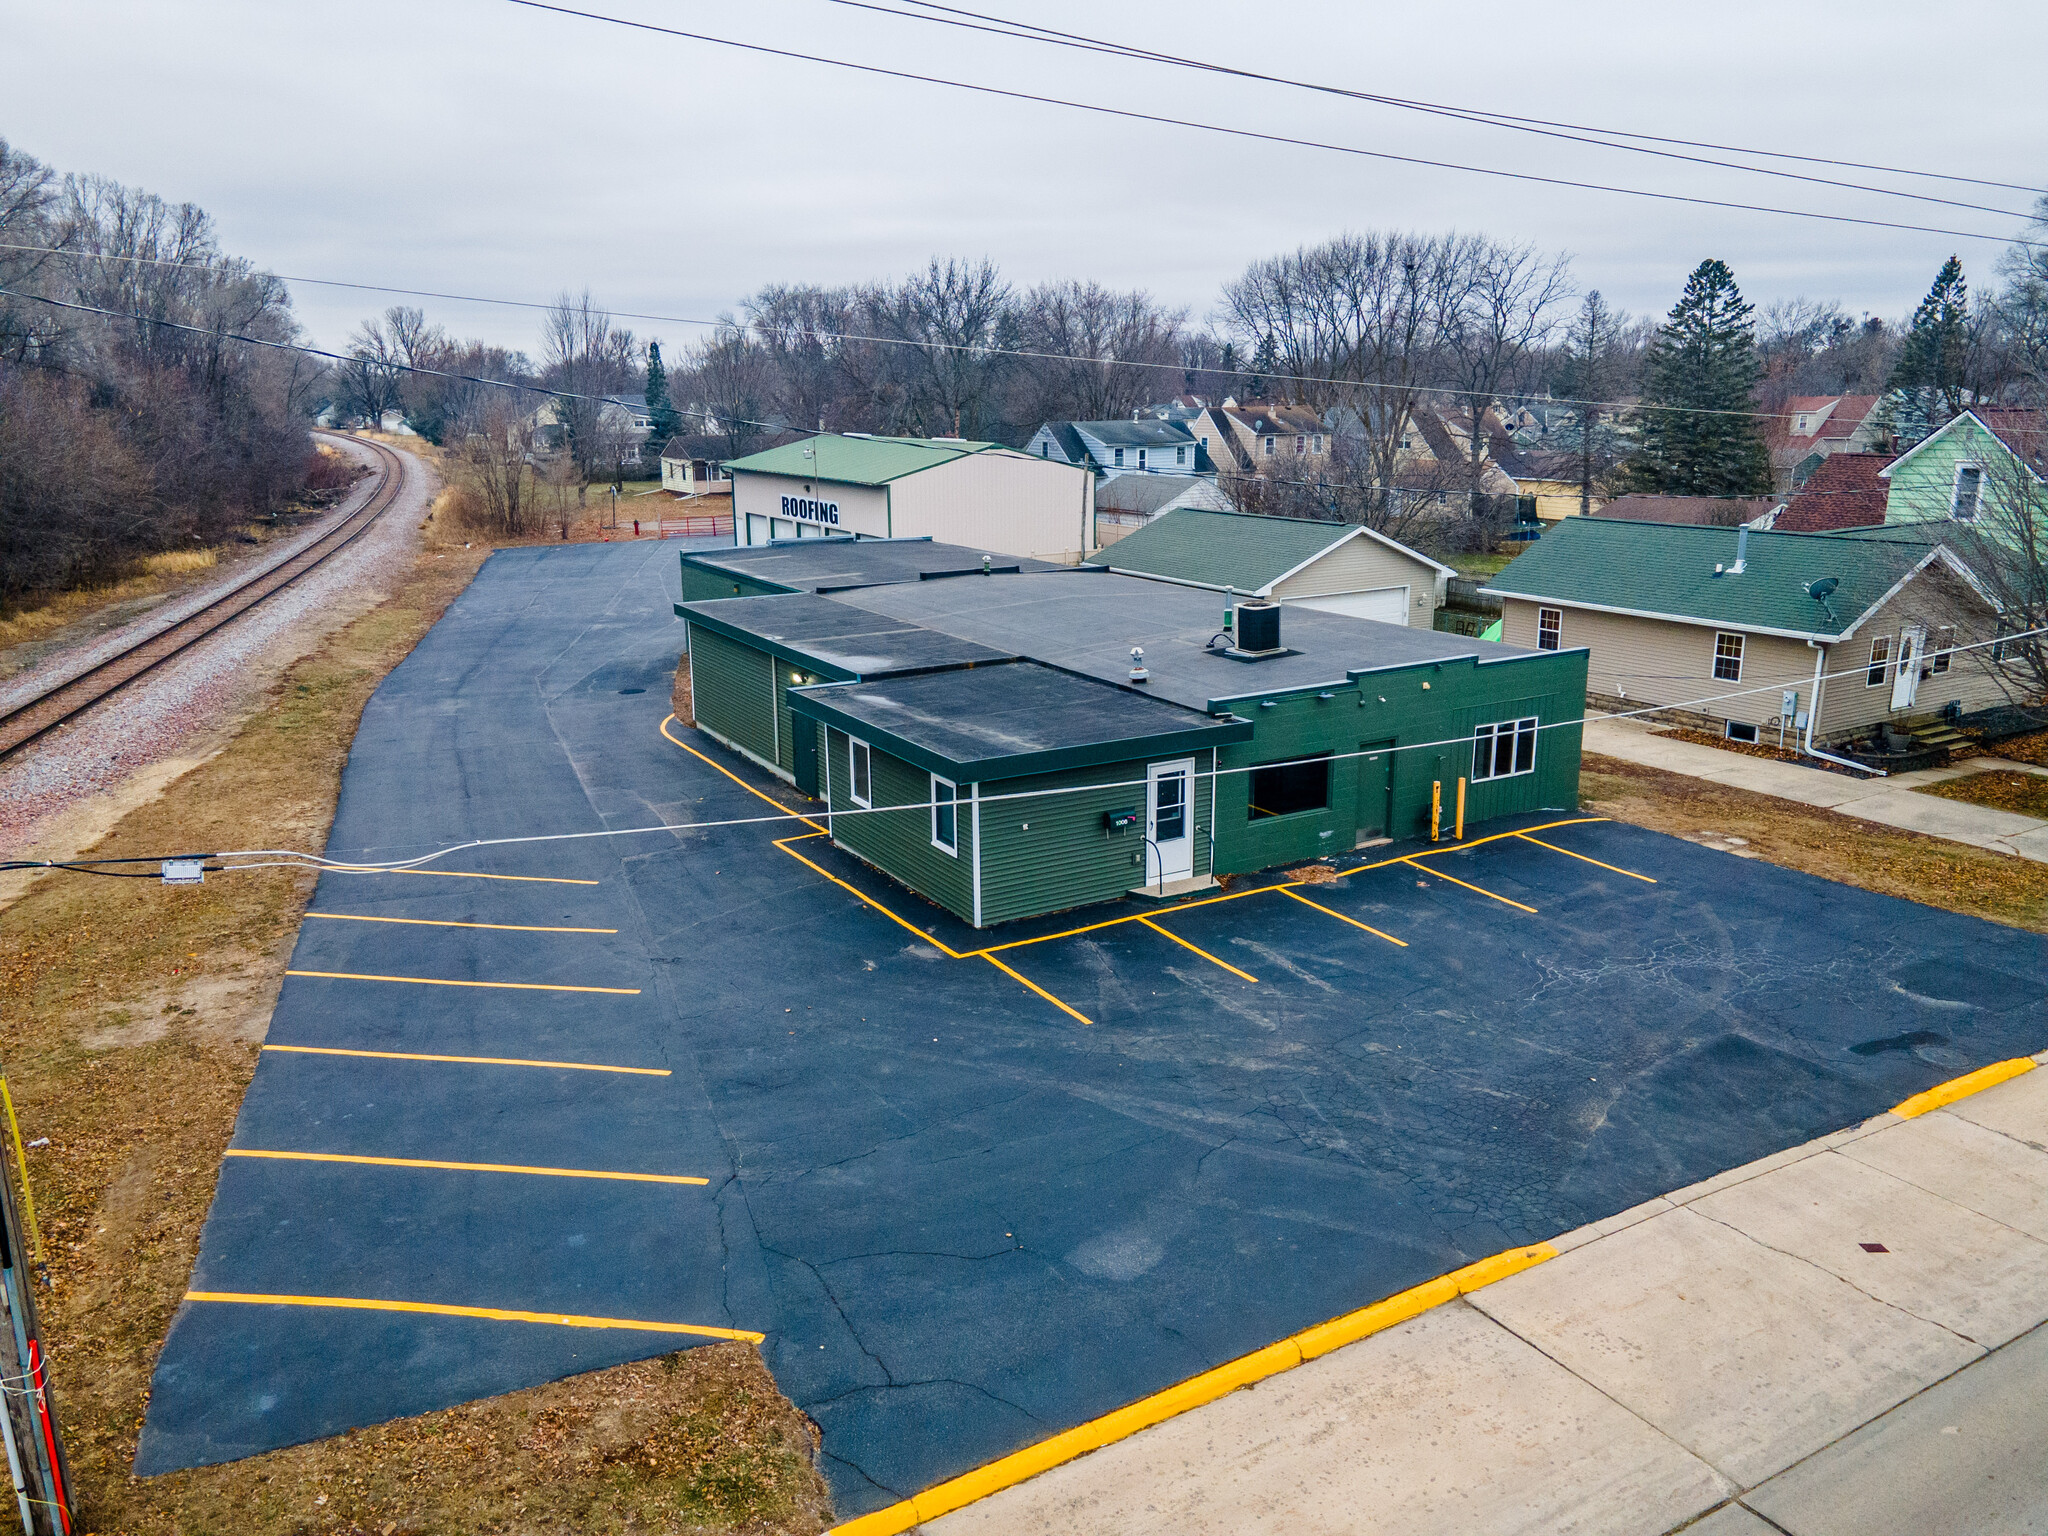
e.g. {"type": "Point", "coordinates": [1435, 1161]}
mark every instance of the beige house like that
{"type": "Point", "coordinates": [1261, 438]}
{"type": "Point", "coordinates": [1820, 636]}
{"type": "Point", "coordinates": [1334, 567]}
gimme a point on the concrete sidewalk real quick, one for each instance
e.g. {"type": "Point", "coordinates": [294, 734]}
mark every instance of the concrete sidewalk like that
{"type": "Point", "coordinates": [1890, 802]}
{"type": "Point", "coordinates": [1843, 1338]}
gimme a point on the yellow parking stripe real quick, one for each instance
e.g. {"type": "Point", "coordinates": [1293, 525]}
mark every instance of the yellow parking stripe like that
{"type": "Point", "coordinates": [1482, 890]}
{"type": "Point", "coordinates": [1184, 944]}
{"type": "Point", "coordinates": [1491, 837]}
{"type": "Point", "coordinates": [421, 1162]}
{"type": "Point", "coordinates": [494, 1314]}
{"type": "Point", "coordinates": [743, 784]}
{"type": "Point", "coordinates": [435, 922]}
{"type": "Point", "coordinates": [1525, 837]}
{"type": "Point", "coordinates": [1354, 922]}
{"type": "Point", "coordinates": [474, 1061]}
{"type": "Point", "coordinates": [1034, 986]}
{"type": "Point", "coordinates": [783, 844]}
{"type": "Point", "coordinates": [435, 981]}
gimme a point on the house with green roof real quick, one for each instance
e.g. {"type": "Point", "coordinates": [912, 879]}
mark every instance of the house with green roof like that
{"type": "Point", "coordinates": [1819, 636]}
{"type": "Point", "coordinates": [955, 490]}
{"type": "Point", "coordinates": [1336, 567]}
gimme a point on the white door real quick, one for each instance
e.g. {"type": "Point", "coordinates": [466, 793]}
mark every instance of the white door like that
{"type": "Point", "coordinates": [1169, 821]}
{"type": "Point", "coordinates": [1906, 679]}
{"type": "Point", "coordinates": [757, 528]}
{"type": "Point", "coordinates": [1387, 605]}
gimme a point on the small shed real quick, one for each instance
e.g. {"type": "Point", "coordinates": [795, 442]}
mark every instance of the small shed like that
{"type": "Point", "coordinates": [1335, 567]}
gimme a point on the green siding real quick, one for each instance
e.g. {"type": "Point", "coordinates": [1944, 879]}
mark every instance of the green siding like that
{"type": "Point", "coordinates": [730, 686]}
{"type": "Point", "coordinates": [899, 843]}
{"type": "Point", "coordinates": [1922, 488]}
{"type": "Point", "coordinates": [702, 586]}
{"type": "Point", "coordinates": [1051, 851]}
{"type": "Point", "coordinates": [1460, 696]}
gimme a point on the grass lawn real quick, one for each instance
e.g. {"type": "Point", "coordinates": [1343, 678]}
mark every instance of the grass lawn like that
{"type": "Point", "coordinates": [2025, 794]}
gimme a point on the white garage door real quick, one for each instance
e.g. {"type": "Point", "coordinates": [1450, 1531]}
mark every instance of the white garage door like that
{"type": "Point", "coordinates": [1389, 605]}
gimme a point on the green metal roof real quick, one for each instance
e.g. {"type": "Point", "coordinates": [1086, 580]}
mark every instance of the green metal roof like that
{"type": "Point", "coordinates": [1220, 549]}
{"type": "Point", "coordinates": [843, 460]}
{"type": "Point", "coordinates": [1668, 570]}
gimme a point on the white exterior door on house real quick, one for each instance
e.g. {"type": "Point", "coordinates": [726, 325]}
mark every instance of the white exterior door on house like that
{"type": "Point", "coordinates": [1906, 678]}
{"type": "Point", "coordinates": [1169, 821]}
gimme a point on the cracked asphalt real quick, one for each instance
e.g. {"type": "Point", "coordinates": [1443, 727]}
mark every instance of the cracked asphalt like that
{"type": "Point", "coordinates": [962, 1220]}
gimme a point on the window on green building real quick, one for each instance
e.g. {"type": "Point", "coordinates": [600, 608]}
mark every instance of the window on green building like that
{"type": "Point", "coordinates": [1286, 789]}
{"type": "Point", "coordinates": [861, 765]}
{"type": "Point", "coordinates": [945, 815]}
{"type": "Point", "coordinates": [1503, 750]}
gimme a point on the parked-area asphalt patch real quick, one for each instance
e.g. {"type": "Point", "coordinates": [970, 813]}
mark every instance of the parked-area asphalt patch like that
{"type": "Point", "coordinates": [962, 1218]}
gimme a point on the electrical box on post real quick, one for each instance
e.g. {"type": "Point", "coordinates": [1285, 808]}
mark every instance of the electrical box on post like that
{"type": "Point", "coordinates": [1119, 821]}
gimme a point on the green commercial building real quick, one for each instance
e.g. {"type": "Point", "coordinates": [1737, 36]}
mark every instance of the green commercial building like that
{"type": "Point", "coordinates": [988, 737]}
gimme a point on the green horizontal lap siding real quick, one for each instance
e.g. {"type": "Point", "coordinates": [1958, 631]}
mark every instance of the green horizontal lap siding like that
{"type": "Point", "coordinates": [1066, 857]}
{"type": "Point", "coordinates": [899, 843]}
{"type": "Point", "coordinates": [702, 586]}
{"type": "Point", "coordinates": [731, 690]}
{"type": "Point", "coordinates": [1460, 696]}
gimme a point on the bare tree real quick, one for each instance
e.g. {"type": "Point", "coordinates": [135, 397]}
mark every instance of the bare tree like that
{"type": "Point", "coordinates": [585, 357]}
{"type": "Point", "coordinates": [1590, 375]}
{"type": "Point", "coordinates": [730, 379]}
{"type": "Point", "coordinates": [1102, 354]}
{"type": "Point", "coordinates": [807, 337]}
{"type": "Point", "coordinates": [1508, 298]}
{"type": "Point", "coordinates": [494, 445]}
{"type": "Point", "coordinates": [371, 382]}
{"type": "Point", "coordinates": [953, 326]}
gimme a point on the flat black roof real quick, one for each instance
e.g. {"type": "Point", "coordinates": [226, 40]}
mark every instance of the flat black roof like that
{"type": "Point", "coordinates": [1088, 621]}
{"type": "Point", "coordinates": [834, 637]}
{"type": "Point", "coordinates": [1003, 722]}
{"type": "Point", "coordinates": [825, 565]}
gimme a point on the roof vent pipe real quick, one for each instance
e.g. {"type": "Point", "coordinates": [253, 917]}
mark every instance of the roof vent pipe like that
{"type": "Point", "coordinates": [1741, 550]}
{"type": "Point", "coordinates": [1138, 672]}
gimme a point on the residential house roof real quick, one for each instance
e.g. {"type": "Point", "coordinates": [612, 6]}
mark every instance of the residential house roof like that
{"type": "Point", "coordinates": [1136, 434]}
{"type": "Point", "coordinates": [1700, 511]}
{"type": "Point", "coordinates": [1827, 416]}
{"type": "Point", "coordinates": [2023, 429]}
{"type": "Point", "coordinates": [855, 458]}
{"type": "Point", "coordinates": [1241, 549]}
{"type": "Point", "coordinates": [1151, 493]}
{"type": "Point", "coordinates": [1682, 572]}
{"type": "Point", "coordinates": [1847, 491]}
{"type": "Point", "coordinates": [1069, 439]}
{"type": "Point", "coordinates": [1261, 418]}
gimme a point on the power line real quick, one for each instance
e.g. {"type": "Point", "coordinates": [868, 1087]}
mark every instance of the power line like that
{"type": "Point", "coordinates": [1025, 353]}
{"type": "Point", "coordinates": [1000, 26]}
{"type": "Point", "coordinates": [1249, 133]}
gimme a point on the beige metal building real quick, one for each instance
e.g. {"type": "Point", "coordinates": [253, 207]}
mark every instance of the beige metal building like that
{"type": "Point", "coordinates": [851, 485]}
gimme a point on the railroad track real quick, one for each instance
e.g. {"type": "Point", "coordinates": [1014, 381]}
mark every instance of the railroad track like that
{"type": "Point", "coordinates": [42, 714]}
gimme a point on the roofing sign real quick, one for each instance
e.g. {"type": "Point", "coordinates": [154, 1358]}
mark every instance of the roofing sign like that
{"type": "Point", "coordinates": [811, 511]}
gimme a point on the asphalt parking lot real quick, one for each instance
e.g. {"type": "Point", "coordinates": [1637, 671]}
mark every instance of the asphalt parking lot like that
{"type": "Point", "coordinates": [967, 1199]}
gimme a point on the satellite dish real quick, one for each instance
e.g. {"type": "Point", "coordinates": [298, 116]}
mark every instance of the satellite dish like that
{"type": "Point", "coordinates": [1820, 591]}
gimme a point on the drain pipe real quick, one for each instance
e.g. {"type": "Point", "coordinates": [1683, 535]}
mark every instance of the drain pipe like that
{"type": "Point", "coordinates": [1820, 655]}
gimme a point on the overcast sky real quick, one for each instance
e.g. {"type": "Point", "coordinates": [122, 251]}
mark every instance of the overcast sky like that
{"type": "Point", "coordinates": [477, 147]}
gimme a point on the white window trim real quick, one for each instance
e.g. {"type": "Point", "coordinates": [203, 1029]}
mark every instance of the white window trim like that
{"type": "Point", "coordinates": [1882, 666]}
{"type": "Point", "coordinates": [1730, 727]}
{"type": "Point", "coordinates": [1142, 464]}
{"type": "Point", "coordinates": [1944, 638]}
{"type": "Point", "coordinates": [952, 849]}
{"type": "Point", "coordinates": [1555, 628]}
{"type": "Point", "coordinates": [1490, 733]}
{"type": "Point", "coordinates": [1180, 454]}
{"type": "Point", "coordinates": [855, 744]}
{"type": "Point", "coordinates": [1955, 490]}
{"type": "Point", "coordinates": [1740, 647]}
{"type": "Point", "coordinates": [1117, 458]}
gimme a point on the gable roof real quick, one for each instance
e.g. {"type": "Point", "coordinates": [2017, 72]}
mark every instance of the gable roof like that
{"type": "Point", "coordinates": [1261, 418]}
{"type": "Point", "coordinates": [1666, 571]}
{"type": "Point", "coordinates": [858, 459]}
{"type": "Point", "coordinates": [1136, 434]}
{"type": "Point", "coordinates": [2023, 430]}
{"type": "Point", "coordinates": [1241, 549]}
{"type": "Point", "coordinates": [1698, 511]}
{"type": "Point", "coordinates": [1847, 491]}
{"type": "Point", "coordinates": [1152, 492]}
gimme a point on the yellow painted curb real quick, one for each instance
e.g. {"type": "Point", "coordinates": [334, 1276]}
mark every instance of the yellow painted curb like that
{"type": "Point", "coordinates": [1962, 1087]}
{"type": "Point", "coordinates": [1019, 1466]}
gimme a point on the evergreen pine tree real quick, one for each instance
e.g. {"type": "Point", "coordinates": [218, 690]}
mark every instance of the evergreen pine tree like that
{"type": "Point", "coordinates": [1925, 390]}
{"type": "Point", "coordinates": [1702, 369]}
{"type": "Point", "coordinates": [660, 409]}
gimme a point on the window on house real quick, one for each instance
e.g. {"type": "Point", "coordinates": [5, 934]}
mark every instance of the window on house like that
{"type": "Point", "coordinates": [1119, 458]}
{"type": "Point", "coordinates": [1549, 628]}
{"type": "Point", "coordinates": [1944, 643]}
{"type": "Point", "coordinates": [945, 815]}
{"type": "Point", "coordinates": [1880, 661]}
{"type": "Point", "coordinates": [861, 777]}
{"type": "Point", "coordinates": [1300, 445]}
{"type": "Point", "coordinates": [1504, 749]}
{"type": "Point", "coordinates": [1180, 455]}
{"type": "Point", "coordinates": [1141, 458]}
{"type": "Point", "coordinates": [1269, 446]}
{"type": "Point", "coordinates": [2003, 649]}
{"type": "Point", "coordinates": [1315, 444]}
{"type": "Point", "coordinates": [1728, 658]}
{"type": "Point", "coordinates": [1969, 490]}
{"type": "Point", "coordinates": [1286, 789]}
{"type": "Point", "coordinates": [1735, 730]}
{"type": "Point", "coordinates": [1045, 448]}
